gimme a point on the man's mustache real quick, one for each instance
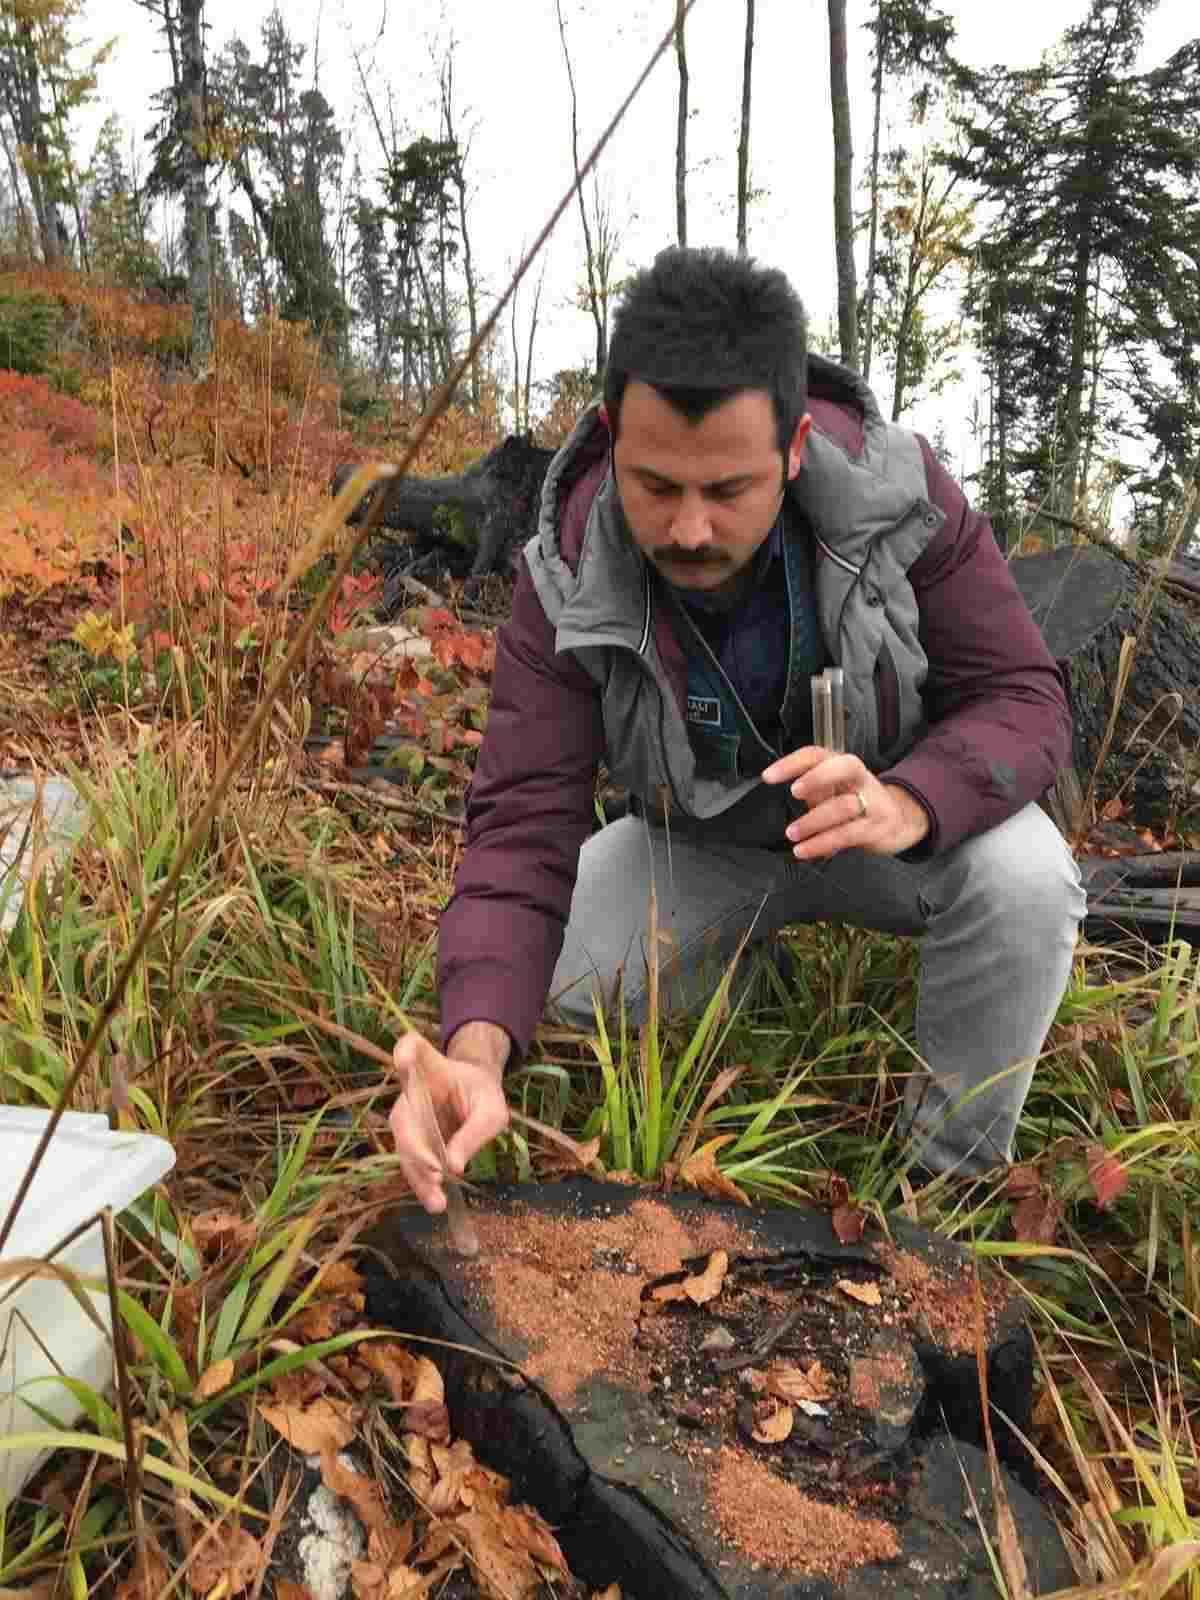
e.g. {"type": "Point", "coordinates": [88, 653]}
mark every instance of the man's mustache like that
{"type": "Point", "coordinates": [678, 556]}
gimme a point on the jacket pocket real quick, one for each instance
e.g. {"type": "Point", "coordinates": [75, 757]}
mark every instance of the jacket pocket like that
{"type": "Point", "coordinates": [887, 698]}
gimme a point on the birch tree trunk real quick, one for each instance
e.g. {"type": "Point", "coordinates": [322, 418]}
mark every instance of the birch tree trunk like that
{"type": "Point", "coordinates": [843, 182]}
{"type": "Point", "coordinates": [195, 192]}
{"type": "Point", "coordinates": [743, 180]}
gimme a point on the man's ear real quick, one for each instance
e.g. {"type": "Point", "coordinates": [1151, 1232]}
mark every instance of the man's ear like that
{"type": "Point", "coordinates": [796, 448]}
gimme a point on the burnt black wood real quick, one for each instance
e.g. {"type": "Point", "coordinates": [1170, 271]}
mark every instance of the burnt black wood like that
{"type": "Point", "coordinates": [1087, 601]}
{"type": "Point", "coordinates": [470, 524]}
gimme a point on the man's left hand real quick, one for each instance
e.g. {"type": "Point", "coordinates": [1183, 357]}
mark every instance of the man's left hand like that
{"type": "Point", "coordinates": [848, 807]}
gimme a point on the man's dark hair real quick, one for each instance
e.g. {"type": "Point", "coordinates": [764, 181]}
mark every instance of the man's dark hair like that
{"type": "Point", "coordinates": [701, 325]}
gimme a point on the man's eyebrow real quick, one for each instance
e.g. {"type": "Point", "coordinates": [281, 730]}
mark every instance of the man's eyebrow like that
{"type": "Point", "coordinates": [736, 481]}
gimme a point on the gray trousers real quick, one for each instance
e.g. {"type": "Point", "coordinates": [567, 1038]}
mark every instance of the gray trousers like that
{"type": "Point", "coordinates": [997, 917]}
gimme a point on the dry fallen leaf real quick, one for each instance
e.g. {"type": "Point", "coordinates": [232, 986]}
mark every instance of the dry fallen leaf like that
{"type": "Point", "coordinates": [502, 1569]}
{"type": "Point", "coordinates": [219, 1376]}
{"type": "Point", "coordinates": [427, 1382]}
{"type": "Point", "coordinates": [231, 1555]}
{"type": "Point", "coordinates": [376, 1580]}
{"type": "Point", "coordinates": [704, 1286]}
{"type": "Point", "coordinates": [787, 1381]}
{"type": "Point", "coordinates": [395, 1364]}
{"type": "Point", "coordinates": [455, 1466]}
{"type": "Point", "coordinates": [341, 1277]}
{"type": "Point", "coordinates": [700, 1171]}
{"type": "Point", "coordinates": [219, 1233]}
{"type": "Point", "coordinates": [324, 1425]}
{"type": "Point", "coordinates": [561, 1161]}
{"type": "Point", "coordinates": [420, 1466]}
{"type": "Point", "coordinates": [867, 1294]}
{"type": "Point", "coordinates": [391, 1541]}
{"type": "Point", "coordinates": [326, 1318]}
{"type": "Point", "coordinates": [526, 1529]}
{"type": "Point", "coordinates": [143, 1583]}
{"type": "Point", "coordinates": [429, 1418]}
{"type": "Point", "coordinates": [289, 1589]}
{"type": "Point", "coordinates": [294, 1390]}
{"type": "Point", "coordinates": [665, 1294]}
{"type": "Point", "coordinates": [773, 1422]}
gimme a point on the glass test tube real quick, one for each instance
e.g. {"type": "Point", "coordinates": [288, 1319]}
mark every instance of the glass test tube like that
{"type": "Point", "coordinates": [829, 710]}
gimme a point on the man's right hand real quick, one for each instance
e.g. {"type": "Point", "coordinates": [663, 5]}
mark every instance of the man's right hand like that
{"type": "Point", "coordinates": [467, 1090]}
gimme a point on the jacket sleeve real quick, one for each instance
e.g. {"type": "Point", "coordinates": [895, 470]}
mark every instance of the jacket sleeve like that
{"type": "Point", "coordinates": [999, 724]}
{"type": "Point", "coordinates": [529, 810]}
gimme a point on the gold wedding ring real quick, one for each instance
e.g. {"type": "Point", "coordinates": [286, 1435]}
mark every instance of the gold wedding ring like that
{"type": "Point", "coordinates": [862, 803]}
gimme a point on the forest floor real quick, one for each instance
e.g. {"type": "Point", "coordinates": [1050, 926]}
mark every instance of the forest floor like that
{"type": "Point", "coordinates": [146, 534]}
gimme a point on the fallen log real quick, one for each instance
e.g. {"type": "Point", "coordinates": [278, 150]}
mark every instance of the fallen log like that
{"type": "Point", "coordinates": [471, 524]}
{"type": "Point", "coordinates": [1154, 898]}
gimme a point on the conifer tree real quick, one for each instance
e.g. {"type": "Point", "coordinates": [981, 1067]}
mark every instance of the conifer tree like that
{"type": "Point", "coordinates": [1087, 290]}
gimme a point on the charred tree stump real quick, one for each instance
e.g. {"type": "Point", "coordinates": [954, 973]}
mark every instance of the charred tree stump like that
{"type": "Point", "coordinates": [1087, 601]}
{"type": "Point", "coordinates": [471, 524]}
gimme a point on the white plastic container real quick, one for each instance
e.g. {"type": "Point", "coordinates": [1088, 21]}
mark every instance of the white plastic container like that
{"type": "Point", "coordinates": [85, 1168]}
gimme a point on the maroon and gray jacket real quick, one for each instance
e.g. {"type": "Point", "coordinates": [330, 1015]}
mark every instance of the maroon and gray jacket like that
{"type": "Point", "coordinates": [950, 690]}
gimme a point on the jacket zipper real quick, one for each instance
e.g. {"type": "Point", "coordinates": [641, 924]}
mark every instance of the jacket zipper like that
{"type": "Point", "coordinates": [750, 723]}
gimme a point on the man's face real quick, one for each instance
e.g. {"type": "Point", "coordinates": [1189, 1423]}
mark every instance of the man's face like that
{"type": "Point", "coordinates": [700, 498]}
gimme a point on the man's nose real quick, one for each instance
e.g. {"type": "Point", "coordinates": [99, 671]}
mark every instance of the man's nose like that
{"type": "Point", "coordinates": [691, 527]}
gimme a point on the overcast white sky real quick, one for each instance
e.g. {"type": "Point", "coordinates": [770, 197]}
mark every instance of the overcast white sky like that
{"type": "Point", "coordinates": [511, 85]}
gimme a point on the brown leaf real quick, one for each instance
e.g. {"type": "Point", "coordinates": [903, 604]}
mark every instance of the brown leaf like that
{"type": "Point", "coordinates": [427, 1383]}
{"type": "Point", "coordinates": [221, 1233]}
{"type": "Point", "coordinates": [232, 1554]}
{"type": "Point", "coordinates": [1109, 1177]}
{"type": "Point", "coordinates": [700, 1171]}
{"type": "Point", "coordinates": [299, 1387]}
{"type": "Point", "coordinates": [289, 1589]}
{"type": "Point", "coordinates": [420, 1465]}
{"type": "Point", "coordinates": [867, 1294]}
{"type": "Point", "coordinates": [1035, 1220]}
{"type": "Point", "coordinates": [501, 1569]}
{"type": "Point", "coordinates": [219, 1376]}
{"type": "Point", "coordinates": [704, 1286]}
{"type": "Point", "coordinates": [392, 1542]}
{"type": "Point", "coordinates": [456, 1482]}
{"type": "Point", "coordinates": [143, 1583]}
{"type": "Point", "coordinates": [394, 1363]}
{"type": "Point", "coordinates": [773, 1422]}
{"type": "Point", "coordinates": [848, 1221]}
{"type": "Point", "coordinates": [430, 1419]}
{"type": "Point", "coordinates": [325, 1318]}
{"type": "Point", "coordinates": [526, 1529]}
{"type": "Point", "coordinates": [340, 1277]}
{"type": "Point", "coordinates": [370, 1580]}
{"type": "Point", "coordinates": [666, 1294]}
{"type": "Point", "coordinates": [324, 1425]}
{"type": "Point", "coordinates": [559, 1161]}
{"type": "Point", "coordinates": [787, 1381]}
